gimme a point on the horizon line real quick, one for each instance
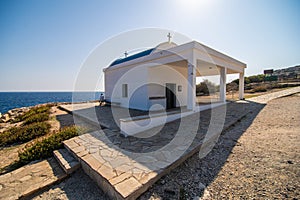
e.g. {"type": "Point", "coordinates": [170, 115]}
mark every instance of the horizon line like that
{"type": "Point", "coordinates": [48, 91]}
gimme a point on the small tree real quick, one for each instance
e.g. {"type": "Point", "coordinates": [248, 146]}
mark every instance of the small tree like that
{"type": "Point", "coordinates": [206, 87]}
{"type": "Point", "coordinates": [232, 88]}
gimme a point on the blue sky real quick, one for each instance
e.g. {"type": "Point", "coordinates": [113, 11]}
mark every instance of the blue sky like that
{"type": "Point", "coordinates": [44, 43]}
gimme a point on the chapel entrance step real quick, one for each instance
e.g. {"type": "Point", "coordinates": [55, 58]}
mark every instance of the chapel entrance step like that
{"type": "Point", "coordinates": [66, 160]}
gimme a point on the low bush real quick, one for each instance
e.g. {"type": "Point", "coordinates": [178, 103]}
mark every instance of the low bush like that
{"type": "Point", "coordinates": [260, 88]}
{"type": "Point", "coordinates": [206, 87]}
{"type": "Point", "coordinates": [45, 148]}
{"type": "Point", "coordinates": [39, 117]}
{"type": "Point", "coordinates": [45, 109]}
{"type": "Point", "coordinates": [24, 133]}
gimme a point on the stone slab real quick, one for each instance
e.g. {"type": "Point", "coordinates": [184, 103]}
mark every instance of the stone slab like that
{"type": "Point", "coordinates": [268, 97]}
{"type": "Point", "coordinates": [104, 116]}
{"type": "Point", "coordinates": [30, 178]}
{"type": "Point", "coordinates": [68, 163]}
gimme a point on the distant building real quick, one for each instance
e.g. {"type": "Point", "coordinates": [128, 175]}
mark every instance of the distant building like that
{"type": "Point", "coordinates": [268, 72]}
{"type": "Point", "coordinates": [288, 74]}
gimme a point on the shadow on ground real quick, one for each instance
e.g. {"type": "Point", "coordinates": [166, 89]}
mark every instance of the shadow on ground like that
{"type": "Point", "coordinates": [65, 120]}
{"type": "Point", "coordinates": [190, 179]}
{"type": "Point", "coordinates": [206, 169]}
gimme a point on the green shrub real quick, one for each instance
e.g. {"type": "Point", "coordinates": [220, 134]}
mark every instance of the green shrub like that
{"type": "Point", "coordinates": [252, 79]}
{"type": "Point", "coordinates": [271, 78]}
{"type": "Point", "coordinates": [260, 88]}
{"type": "Point", "coordinates": [24, 133]}
{"type": "Point", "coordinates": [45, 148]}
{"type": "Point", "coordinates": [39, 117]}
{"type": "Point", "coordinates": [206, 87]}
{"type": "Point", "coordinates": [256, 78]}
{"type": "Point", "coordinates": [33, 111]}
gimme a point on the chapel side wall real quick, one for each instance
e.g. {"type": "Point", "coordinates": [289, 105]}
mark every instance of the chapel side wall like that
{"type": "Point", "coordinates": [168, 74]}
{"type": "Point", "coordinates": [135, 78]}
{"type": "Point", "coordinates": [108, 84]}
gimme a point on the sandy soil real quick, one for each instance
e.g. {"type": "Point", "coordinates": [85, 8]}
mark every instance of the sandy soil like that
{"type": "Point", "coordinates": [258, 158]}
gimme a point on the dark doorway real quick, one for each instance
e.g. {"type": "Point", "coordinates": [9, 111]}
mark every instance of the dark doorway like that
{"type": "Point", "coordinates": [171, 95]}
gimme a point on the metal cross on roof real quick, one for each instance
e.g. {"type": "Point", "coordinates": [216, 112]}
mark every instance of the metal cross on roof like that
{"type": "Point", "coordinates": [169, 37]}
{"type": "Point", "coordinates": [126, 54]}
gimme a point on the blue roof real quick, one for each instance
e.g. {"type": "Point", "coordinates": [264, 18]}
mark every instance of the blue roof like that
{"type": "Point", "coordinates": [132, 57]}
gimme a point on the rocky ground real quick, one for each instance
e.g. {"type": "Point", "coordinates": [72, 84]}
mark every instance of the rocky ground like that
{"type": "Point", "coordinates": [58, 119]}
{"type": "Point", "coordinates": [258, 158]}
{"type": "Point", "coordinates": [9, 155]}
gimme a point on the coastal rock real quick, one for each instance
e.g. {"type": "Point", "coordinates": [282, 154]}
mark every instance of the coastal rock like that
{"type": "Point", "coordinates": [10, 112]}
{"type": "Point", "coordinates": [5, 118]}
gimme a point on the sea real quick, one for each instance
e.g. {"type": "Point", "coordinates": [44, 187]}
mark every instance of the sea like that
{"type": "Point", "coordinates": [11, 100]}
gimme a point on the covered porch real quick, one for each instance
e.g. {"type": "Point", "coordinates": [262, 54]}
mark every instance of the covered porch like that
{"type": "Point", "coordinates": [207, 62]}
{"type": "Point", "coordinates": [211, 83]}
{"type": "Point", "coordinates": [181, 65]}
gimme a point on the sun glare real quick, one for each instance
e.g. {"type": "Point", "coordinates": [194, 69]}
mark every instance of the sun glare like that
{"type": "Point", "coordinates": [192, 5]}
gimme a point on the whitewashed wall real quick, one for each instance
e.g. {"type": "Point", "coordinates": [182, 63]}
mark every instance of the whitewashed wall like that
{"type": "Point", "coordinates": [141, 82]}
{"type": "Point", "coordinates": [168, 74]}
{"type": "Point", "coordinates": [137, 90]}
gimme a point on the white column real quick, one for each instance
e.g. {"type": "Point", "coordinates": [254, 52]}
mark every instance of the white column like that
{"type": "Point", "coordinates": [191, 93]}
{"type": "Point", "coordinates": [223, 73]}
{"type": "Point", "coordinates": [241, 86]}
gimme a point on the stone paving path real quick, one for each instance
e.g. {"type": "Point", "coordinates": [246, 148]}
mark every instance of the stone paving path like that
{"type": "Point", "coordinates": [30, 178]}
{"type": "Point", "coordinates": [268, 97]}
{"type": "Point", "coordinates": [105, 116]}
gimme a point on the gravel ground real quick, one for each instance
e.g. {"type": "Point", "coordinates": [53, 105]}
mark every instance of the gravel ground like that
{"type": "Point", "coordinates": [258, 158]}
{"type": "Point", "coordinates": [78, 186]}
